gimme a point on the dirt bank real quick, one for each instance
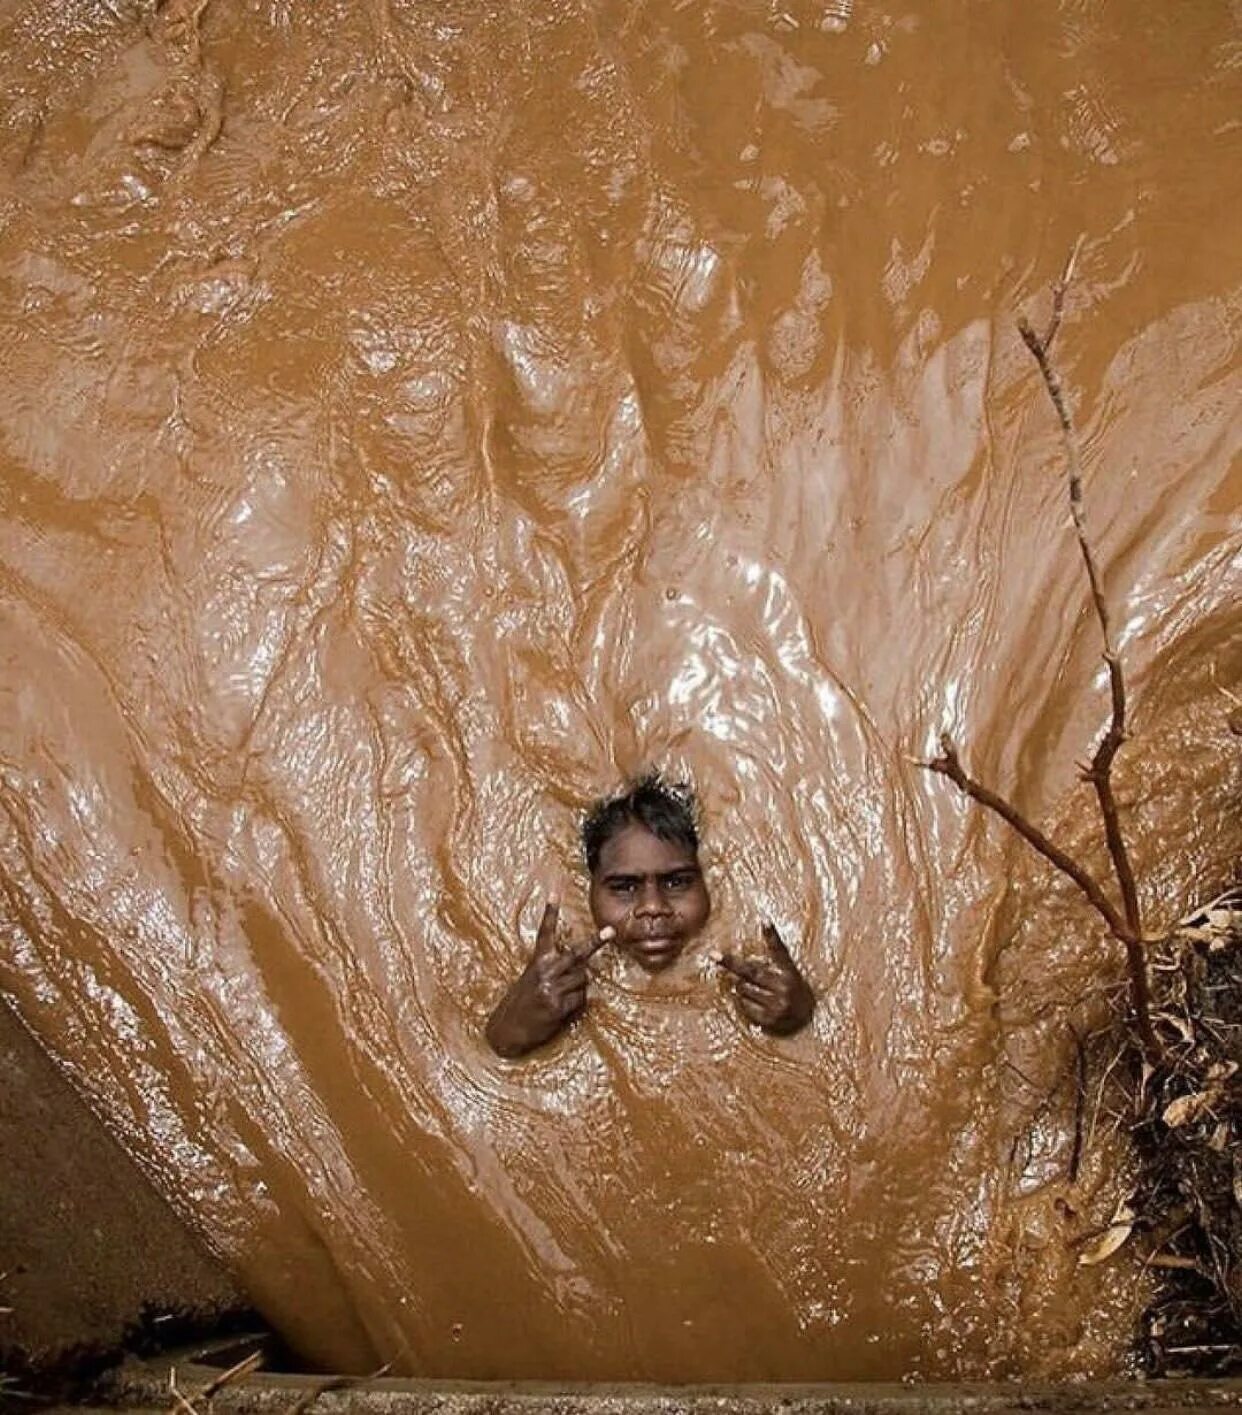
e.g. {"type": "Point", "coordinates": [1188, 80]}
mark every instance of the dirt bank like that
{"type": "Point", "coordinates": [89, 1255]}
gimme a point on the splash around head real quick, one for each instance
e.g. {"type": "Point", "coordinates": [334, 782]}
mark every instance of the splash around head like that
{"type": "Point", "coordinates": [642, 849]}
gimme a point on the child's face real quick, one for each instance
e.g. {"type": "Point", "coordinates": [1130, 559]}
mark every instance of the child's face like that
{"type": "Point", "coordinates": [652, 892]}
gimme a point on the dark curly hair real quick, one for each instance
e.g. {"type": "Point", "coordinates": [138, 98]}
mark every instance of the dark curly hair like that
{"type": "Point", "coordinates": [665, 809]}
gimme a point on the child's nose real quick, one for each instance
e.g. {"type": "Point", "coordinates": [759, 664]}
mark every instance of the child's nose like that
{"type": "Point", "coordinates": [651, 900]}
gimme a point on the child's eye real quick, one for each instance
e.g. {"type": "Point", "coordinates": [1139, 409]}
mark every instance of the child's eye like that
{"type": "Point", "coordinates": [679, 882]}
{"type": "Point", "coordinates": [624, 886]}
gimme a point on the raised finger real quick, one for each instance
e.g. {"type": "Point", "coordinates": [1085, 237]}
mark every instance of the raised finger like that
{"type": "Point", "coordinates": [545, 938]}
{"type": "Point", "coordinates": [776, 944]}
{"type": "Point", "coordinates": [572, 960]}
{"type": "Point", "coordinates": [588, 949]}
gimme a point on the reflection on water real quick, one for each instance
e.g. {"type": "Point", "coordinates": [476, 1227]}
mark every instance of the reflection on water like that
{"type": "Point", "coordinates": [414, 418]}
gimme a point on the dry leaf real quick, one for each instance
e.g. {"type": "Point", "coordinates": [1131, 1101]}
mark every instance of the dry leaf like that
{"type": "Point", "coordinates": [1179, 1025]}
{"type": "Point", "coordinates": [1217, 923]}
{"type": "Point", "coordinates": [1187, 1108]}
{"type": "Point", "coordinates": [1111, 1239]}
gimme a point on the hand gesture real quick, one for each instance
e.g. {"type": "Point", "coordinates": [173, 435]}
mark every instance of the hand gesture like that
{"type": "Point", "coordinates": [770, 991]}
{"type": "Point", "coordinates": [550, 992]}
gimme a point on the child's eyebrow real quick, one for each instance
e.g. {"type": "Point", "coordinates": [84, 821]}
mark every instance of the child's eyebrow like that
{"type": "Point", "coordinates": [663, 874]}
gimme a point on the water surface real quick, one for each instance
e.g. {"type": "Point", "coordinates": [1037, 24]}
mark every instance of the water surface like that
{"type": "Point", "coordinates": [415, 418]}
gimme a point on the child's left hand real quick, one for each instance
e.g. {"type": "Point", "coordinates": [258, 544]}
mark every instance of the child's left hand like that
{"type": "Point", "coordinates": [771, 992]}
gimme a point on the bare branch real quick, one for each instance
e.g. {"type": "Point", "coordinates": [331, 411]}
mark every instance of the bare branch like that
{"type": "Point", "coordinates": [1099, 773]}
{"type": "Point", "coordinates": [180, 1405]}
{"type": "Point", "coordinates": [949, 764]}
{"type": "Point", "coordinates": [1125, 925]}
{"type": "Point", "coordinates": [234, 1373]}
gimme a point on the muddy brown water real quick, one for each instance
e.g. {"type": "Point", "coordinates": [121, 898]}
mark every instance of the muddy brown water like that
{"type": "Point", "coordinates": [416, 417]}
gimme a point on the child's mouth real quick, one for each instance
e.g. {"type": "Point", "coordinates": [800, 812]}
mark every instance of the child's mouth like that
{"type": "Point", "coordinates": [655, 950]}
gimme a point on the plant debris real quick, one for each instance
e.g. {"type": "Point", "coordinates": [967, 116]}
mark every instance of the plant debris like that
{"type": "Point", "coordinates": [1182, 1036]}
{"type": "Point", "coordinates": [1188, 1135]}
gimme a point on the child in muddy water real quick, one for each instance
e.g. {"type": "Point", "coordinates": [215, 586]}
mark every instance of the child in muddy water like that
{"type": "Point", "coordinates": [649, 897]}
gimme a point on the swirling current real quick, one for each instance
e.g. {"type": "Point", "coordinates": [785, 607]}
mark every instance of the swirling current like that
{"type": "Point", "coordinates": [416, 418]}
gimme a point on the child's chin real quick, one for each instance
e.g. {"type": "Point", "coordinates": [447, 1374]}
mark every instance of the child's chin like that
{"type": "Point", "coordinates": [655, 962]}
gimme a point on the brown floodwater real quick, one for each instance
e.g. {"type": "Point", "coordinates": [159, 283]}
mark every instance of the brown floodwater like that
{"type": "Point", "coordinates": [416, 417]}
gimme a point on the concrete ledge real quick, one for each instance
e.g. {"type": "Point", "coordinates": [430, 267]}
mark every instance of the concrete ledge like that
{"type": "Point", "coordinates": [146, 1385]}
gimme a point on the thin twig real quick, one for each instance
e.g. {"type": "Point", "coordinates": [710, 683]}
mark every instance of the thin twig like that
{"type": "Point", "coordinates": [1058, 295]}
{"type": "Point", "coordinates": [180, 1403]}
{"type": "Point", "coordinates": [182, 1406]}
{"type": "Point", "coordinates": [1226, 693]}
{"type": "Point", "coordinates": [949, 764]}
{"type": "Point", "coordinates": [1099, 772]}
{"type": "Point", "coordinates": [331, 1383]}
{"type": "Point", "coordinates": [234, 1373]}
{"type": "Point", "coordinates": [1019, 1073]}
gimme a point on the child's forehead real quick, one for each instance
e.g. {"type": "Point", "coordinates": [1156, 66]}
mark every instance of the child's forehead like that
{"type": "Point", "coordinates": [637, 850]}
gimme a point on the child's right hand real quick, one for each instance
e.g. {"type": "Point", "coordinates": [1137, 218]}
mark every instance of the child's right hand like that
{"type": "Point", "coordinates": [550, 992]}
